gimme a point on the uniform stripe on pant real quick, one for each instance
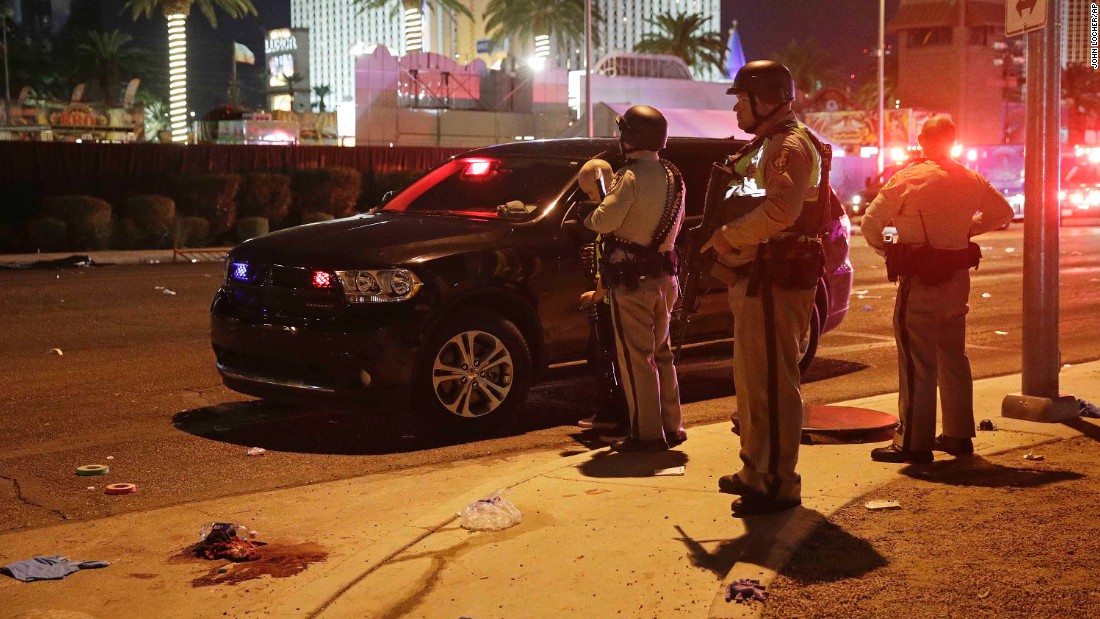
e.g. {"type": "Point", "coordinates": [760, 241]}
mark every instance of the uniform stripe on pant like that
{"type": "Point", "coordinates": [628, 369]}
{"type": "Point", "coordinates": [910, 367]}
{"type": "Point", "coordinates": [773, 382]}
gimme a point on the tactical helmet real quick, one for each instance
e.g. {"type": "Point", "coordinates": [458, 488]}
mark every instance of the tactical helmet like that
{"type": "Point", "coordinates": [766, 80]}
{"type": "Point", "coordinates": [643, 127]}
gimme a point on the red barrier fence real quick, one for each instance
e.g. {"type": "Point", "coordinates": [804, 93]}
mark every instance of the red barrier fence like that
{"type": "Point", "coordinates": [114, 172]}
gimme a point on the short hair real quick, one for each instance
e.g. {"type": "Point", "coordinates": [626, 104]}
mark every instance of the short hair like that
{"type": "Point", "coordinates": [938, 131]}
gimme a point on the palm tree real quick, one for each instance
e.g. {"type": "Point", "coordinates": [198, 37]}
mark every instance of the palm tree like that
{"type": "Point", "coordinates": [811, 66]}
{"type": "Point", "coordinates": [107, 58]}
{"type": "Point", "coordinates": [414, 14]}
{"type": "Point", "coordinates": [321, 91]}
{"type": "Point", "coordinates": [682, 35]}
{"type": "Point", "coordinates": [867, 93]}
{"type": "Point", "coordinates": [176, 11]}
{"type": "Point", "coordinates": [524, 20]}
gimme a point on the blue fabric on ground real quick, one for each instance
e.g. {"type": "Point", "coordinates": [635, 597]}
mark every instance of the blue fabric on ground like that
{"type": "Point", "coordinates": [47, 568]}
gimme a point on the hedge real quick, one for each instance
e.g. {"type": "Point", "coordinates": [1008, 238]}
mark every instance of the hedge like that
{"type": "Point", "coordinates": [265, 195]}
{"type": "Point", "coordinates": [210, 196]}
{"type": "Point", "coordinates": [88, 219]}
{"type": "Point", "coordinates": [326, 190]}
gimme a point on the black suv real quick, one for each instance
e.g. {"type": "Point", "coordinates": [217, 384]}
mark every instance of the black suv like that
{"type": "Point", "coordinates": [462, 287]}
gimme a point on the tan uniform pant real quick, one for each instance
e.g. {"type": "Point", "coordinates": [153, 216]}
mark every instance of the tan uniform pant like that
{"type": "Point", "coordinates": [641, 319]}
{"type": "Point", "coordinates": [767, 331]}
{"type": "Point", "coordinates": [930, 329]}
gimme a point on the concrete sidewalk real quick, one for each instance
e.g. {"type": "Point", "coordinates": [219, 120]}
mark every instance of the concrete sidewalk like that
{"type": "Point", "coordinates": [601, 536]}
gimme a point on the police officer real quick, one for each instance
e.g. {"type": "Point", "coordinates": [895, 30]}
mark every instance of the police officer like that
{"type": "Point", "coordinates": [769, 320]}
{"type": "Point", "coordinates": [638, 222]}
{"type": "Point", "coordinates": [937, 205]}
{"type": "Point", "coordinates": [613, 417]}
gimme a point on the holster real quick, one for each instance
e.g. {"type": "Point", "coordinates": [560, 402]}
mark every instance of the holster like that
{"type": "Point", "coordinates": [797, 263]}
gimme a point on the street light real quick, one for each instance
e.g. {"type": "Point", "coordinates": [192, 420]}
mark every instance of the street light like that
{"type": "Point", "coordinates": [588, 64]}
{"type": "Point", "coordinates": [881, 84]}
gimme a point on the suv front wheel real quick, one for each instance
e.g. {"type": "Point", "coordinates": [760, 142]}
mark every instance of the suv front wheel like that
{"type": "Point", "coordinates": [474, 373]}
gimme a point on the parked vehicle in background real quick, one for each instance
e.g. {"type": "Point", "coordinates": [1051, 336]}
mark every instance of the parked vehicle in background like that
{"type": "Point", "coordinates": [460, 289]}
{"type": "Point", "coordinates": [1080, 194]}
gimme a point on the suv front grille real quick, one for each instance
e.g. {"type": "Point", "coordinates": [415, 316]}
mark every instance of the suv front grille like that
{"type": "Point", "coordinates": [277, 290]}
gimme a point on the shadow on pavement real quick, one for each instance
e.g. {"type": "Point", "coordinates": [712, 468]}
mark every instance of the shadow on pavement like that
{"type": "Point", "coordinates": [979, 472]}
{"type": "Point", "coordinates": [386, 426]}
{"type": "Point", "coordinates": [825, 552]}
{"type": "Point", "coordinates": [829, 553]}
{"type": "Point", "coordinates": [631, 464]}
{"type": "Point", "coordinates": [1084, 427]}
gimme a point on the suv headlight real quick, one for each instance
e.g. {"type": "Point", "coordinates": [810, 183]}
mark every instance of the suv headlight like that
{"type": "Point", "coordinates": [379, 285]}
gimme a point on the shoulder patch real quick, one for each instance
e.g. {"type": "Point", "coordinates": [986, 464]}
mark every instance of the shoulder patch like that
{"type": "Point", "coordinates": [782, 160]}
{"type": "Point", "coordinates": [893, 180]}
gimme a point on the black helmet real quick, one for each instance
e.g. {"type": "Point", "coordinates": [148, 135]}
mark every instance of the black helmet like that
{"type": "Point", "coordinates": [643, 127]}
{"type": "Point", "coordinates": [766, 80]}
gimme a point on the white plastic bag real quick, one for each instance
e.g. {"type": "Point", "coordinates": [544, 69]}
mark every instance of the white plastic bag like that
{"type": "Point", "coordinates": [492, 514]}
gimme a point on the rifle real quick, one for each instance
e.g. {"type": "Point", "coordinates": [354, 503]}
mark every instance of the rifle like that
{"type": "Point", "coordinates": [696, 263]}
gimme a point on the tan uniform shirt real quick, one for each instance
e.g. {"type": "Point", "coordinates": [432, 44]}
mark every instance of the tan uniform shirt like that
{"type": "Point", "coordinates": [635, 203]}
{"type": "Point", "coordinates": [786, 167]}
{"type": "Point", "coordinates": [955, 203]}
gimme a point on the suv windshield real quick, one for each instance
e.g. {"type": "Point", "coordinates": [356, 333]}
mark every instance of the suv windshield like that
{"type": "Point", "coordinates": [508, 188]}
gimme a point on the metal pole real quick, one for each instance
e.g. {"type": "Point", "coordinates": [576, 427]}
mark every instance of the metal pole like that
{"type": "Point", "coordinates": [1041, 360]}
{"type": "Point", "coordinates": [881, 85]}
{"type": "Point", "coordinates": [588, 64]}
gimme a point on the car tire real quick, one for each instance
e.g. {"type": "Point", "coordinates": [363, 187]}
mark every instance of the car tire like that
{"type": "Point", "coordinates": [807, 350]}
{"type": "Point", "coordinates": [456, 396]}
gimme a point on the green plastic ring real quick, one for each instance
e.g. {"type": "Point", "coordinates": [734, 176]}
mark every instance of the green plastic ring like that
{"type": "Point", "coordinates": [92, 469]}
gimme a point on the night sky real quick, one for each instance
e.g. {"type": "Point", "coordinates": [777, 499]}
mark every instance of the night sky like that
{"type": "Point", "coordinates": [842, 27]}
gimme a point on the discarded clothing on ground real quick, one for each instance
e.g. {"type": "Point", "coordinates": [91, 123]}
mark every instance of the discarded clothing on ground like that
{"type": "Point", "coordinates": [1088, 409]}
{"type": "Point", "coordinates": [746, 590]}
{"type": "Point", "coordinates": [72, 262]}
{"type": "Point", "coordinates": [48, 568]}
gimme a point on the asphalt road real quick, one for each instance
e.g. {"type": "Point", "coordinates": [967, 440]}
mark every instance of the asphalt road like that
{"type": "Point", "coordinates": [136, 389]}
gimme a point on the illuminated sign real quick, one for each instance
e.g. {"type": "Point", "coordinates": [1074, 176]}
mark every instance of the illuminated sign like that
{"type": "Point", "coordinates": [281, 40]}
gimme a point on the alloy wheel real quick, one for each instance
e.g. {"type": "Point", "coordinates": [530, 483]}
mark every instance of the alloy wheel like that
{"type": "Point", "coordinates": [472, 374]}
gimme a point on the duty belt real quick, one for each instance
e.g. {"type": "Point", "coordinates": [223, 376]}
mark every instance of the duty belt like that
{"type": "Point", "coordinates": [634, 263]}
{"type": "Point", "coordinates": [930, 264]}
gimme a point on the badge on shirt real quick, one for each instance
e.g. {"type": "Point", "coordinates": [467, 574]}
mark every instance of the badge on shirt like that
{"type": "Point", "coordinates": [781, 161]}
{"type": "Point", "coordinates": [750, 171]}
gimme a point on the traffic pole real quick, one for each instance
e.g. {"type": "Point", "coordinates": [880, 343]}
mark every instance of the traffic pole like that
{"type": "Point", "coordinates": [1040, 399]}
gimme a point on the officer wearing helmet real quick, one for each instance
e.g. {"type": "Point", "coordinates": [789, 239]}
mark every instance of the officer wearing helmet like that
{"type": "Point", "coordinates": [638, 222]}
{"type": "Point", "coordinates": [772, 283]}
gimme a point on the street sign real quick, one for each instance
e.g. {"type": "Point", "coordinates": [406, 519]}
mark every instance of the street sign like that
{"type": "Point", "coordinates": [483, 46]}
{"type": "Point", "coordinates": [1024, 16]}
